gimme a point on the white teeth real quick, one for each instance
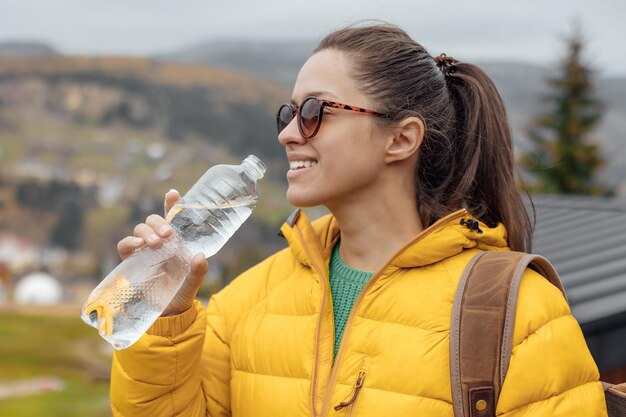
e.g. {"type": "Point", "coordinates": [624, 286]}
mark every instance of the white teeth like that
{"type": "Point", "coordinates": [302, 164]}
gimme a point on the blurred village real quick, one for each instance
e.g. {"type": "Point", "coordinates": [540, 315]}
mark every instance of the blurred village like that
{"type": "Point", "coordinates": [90, 145]}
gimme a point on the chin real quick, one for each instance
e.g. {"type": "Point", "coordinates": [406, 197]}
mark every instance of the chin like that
{"type": "Point", "coordinates": [303, 199]}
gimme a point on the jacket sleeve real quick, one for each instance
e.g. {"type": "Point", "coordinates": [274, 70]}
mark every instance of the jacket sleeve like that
{"type": "Point", "coordinates": [162, 373]}
{"type": "Point", "coordinates": [182, 365]}
{"type": "Point", "coordinates": [551, 372]}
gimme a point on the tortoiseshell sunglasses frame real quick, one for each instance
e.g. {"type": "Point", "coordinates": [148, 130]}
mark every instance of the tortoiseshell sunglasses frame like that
{"type": "Point", "coordinates": [295, 112]}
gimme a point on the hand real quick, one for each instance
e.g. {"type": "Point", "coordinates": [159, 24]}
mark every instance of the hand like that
{"type": "Point", "coordinates": [152, 233]}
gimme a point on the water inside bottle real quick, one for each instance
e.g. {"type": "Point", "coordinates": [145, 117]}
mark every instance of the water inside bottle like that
{"type": "Point", "coordinates": [205, 228]}
{"type": "Point", "coordinates": [124, 305]}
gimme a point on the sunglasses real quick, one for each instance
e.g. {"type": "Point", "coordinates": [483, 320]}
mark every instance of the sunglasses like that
{"type": "Point", "coordinates": [310, 113]}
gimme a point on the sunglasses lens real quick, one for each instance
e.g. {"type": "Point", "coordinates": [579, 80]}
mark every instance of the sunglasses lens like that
{"type": "Point", "coordinates": [309, 116]}
{"type": "Point", "coordinates": [284, 117]}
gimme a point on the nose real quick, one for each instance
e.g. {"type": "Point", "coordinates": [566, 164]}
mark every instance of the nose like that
{"type": "Point", "coordinates": [291, 134]}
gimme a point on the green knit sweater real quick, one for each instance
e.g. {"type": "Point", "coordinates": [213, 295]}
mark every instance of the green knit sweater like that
{"type": "Point", "coordinates": [346, 284]}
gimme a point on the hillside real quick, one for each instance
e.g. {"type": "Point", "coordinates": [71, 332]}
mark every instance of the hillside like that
{"type": "Point", "coordinates": [126, 130]}
{"type": "Point", "coordinates": [209, 103]}
{"type": "Point", "coordinates": [278, 61]}
{"type": "Point", "coordinates": [25, 49]}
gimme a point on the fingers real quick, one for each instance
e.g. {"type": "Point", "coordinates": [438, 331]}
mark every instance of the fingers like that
{"type": "Point", "coordinates": [171, 197]}
{"type": "Point", "coordinates": [128, 245]}
{"type": "Point", "coordinates": [152, 233]}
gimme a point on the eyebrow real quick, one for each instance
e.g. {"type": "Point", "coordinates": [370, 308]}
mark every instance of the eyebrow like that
{"type": "Point", "coordinates": [315, 94]}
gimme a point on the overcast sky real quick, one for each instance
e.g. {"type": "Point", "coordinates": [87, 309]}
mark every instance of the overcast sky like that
{"type": "Point", "coordinates": [523, 30]}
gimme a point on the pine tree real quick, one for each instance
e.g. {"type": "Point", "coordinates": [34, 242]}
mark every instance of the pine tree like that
{"type": "Point", "coordinates": [68, 230]}
{"type": "Point", "coordinates": [564, 159]}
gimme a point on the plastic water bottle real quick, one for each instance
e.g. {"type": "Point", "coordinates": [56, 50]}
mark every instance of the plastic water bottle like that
{"type": "Point", "coordinates": [126, 303]}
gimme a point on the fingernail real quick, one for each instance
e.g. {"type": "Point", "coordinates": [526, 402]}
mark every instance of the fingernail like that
{"type": "Point", "coordinates": [170, 192]}
{"type": "Point", "coordinates": [165, 228]}
{"type": "Point", "coordinates": [153, 237]}
{"type": "Point", "coordinates": [137, 241]}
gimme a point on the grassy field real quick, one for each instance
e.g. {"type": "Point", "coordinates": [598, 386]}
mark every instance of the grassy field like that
{"type": "Point", "coordinates": [49, 344]}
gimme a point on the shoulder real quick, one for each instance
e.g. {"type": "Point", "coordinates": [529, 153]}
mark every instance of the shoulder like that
{"type": "Point", "coordinates": [539, 304]}
{"type": "Point", "coordinates": [551, 371]}
{"type": "Point", "coordinates": [255, 283]}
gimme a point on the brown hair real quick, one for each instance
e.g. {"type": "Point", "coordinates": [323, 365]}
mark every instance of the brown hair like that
{"type": "Point", "coordinates": [466, 158]}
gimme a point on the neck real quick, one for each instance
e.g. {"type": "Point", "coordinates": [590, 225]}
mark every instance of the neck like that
{"type": "Point", "coordinates": [375, 226]}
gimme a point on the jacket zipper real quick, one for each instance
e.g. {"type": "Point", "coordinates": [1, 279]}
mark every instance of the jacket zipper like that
{"type": "Point", "coordinates": [339, 357]}
{"type": "Point", "coordinates": [319, 325]}
{"type": "Point", "coordinates": [355, 393]}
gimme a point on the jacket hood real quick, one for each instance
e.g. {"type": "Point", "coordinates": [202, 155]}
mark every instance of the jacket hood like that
{"type": "Point", "coordinates": [313, 241]}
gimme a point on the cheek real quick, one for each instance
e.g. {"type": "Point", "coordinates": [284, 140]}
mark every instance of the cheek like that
{"type": "Point", "coordinates": [356, 150]}
{"type": "Point", "coordinates": [353, 166]}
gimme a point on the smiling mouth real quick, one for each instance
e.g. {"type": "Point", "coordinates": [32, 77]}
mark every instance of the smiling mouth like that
{"type": "Point", "coordinates": [296, 165]}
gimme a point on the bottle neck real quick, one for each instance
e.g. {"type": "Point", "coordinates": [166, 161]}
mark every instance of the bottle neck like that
{"type": "Point", "coordinates": [254, 167]}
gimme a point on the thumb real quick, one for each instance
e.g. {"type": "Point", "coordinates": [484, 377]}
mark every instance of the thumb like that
{"type": "Point", "coordinates": [171, 198]}
{"type": "Point", "coordinates": [187, 292]}
{"type": "Point", "coordinates": [199, 268]}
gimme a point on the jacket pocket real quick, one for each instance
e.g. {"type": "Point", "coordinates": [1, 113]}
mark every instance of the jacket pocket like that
{"type": "Point", "coordinates": [358, 386]}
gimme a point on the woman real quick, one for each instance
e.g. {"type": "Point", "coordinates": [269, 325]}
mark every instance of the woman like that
{"type": "Point", "coordinates": [353, 318]}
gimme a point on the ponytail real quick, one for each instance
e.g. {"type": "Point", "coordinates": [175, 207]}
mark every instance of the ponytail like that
{"type": "Point", "coordinates": [487, 176]}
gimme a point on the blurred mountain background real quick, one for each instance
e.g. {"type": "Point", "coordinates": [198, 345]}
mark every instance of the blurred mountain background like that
{"type": "Point", "coordinates": [89, 145]}
{"type": "Point", "coordinates": [521, 85]}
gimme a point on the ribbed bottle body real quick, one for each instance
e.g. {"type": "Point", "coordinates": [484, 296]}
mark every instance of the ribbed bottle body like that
{"type": "Point", "coordinates": [126, 303]}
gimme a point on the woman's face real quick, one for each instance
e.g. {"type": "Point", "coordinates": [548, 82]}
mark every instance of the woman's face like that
{"type": "Point", "coordinates": [347, 149]}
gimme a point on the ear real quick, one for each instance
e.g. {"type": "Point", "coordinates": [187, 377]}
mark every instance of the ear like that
{"type": "Point", "coordinates": [405, 140]}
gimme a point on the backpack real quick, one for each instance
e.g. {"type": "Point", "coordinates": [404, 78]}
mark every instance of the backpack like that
{"type": "Point", "coordinates": [484, 309]}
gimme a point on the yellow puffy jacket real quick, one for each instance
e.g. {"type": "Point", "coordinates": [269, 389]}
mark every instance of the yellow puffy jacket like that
{"type": "Point", "coordinates": [264, 345]}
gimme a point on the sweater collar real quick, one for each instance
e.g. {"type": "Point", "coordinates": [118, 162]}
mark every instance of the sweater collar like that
{"type": "Point", "coordinates": [313, 241]}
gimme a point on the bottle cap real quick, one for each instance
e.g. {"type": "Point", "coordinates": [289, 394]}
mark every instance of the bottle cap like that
{"type": "Point", "coordinates": [257, 167]}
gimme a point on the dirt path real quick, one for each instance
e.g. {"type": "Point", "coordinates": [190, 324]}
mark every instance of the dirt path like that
{"type": "Point", "coordinates": [21, 388]}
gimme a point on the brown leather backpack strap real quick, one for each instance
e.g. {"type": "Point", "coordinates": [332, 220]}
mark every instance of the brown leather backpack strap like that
{"type": "Point", "coordinates": [615, 396]}
{"type": "Point", "coordinates": [481, 328]}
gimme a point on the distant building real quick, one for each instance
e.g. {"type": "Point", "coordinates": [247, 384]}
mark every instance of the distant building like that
{"type": "Point", "coordinates": [38, 288]}
{"type": "Point", "coordinates": [585, 239]}
{"type": "Point", "coordinates": [18, 253]}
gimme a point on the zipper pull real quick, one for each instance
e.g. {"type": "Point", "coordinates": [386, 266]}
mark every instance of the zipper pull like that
{"type": "Point", "coordinates": [355, 393]}
{"type": "Point", "coordinates": [472, 225]}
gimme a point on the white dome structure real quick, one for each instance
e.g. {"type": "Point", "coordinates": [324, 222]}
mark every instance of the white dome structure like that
{"type": "Point", "coordinates": [38, 288]}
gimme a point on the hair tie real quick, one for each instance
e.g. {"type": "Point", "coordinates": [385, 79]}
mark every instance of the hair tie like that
{"type": "Point", "coordinates": [446, 64]}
